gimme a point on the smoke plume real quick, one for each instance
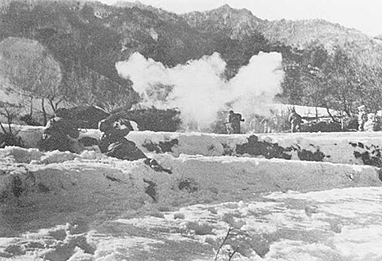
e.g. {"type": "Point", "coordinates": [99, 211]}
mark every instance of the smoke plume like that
{"type": "Point", "coordinates": [198, 89]}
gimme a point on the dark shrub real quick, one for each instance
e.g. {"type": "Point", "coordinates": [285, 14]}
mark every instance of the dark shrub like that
{"type": "Point", "coordinates": [153, 119]}
{"type": "Point", "coordinates": [322, 127]}
{"type": "Point", "coordinates": [87, 117]}
{"type": "Point", "coordinates": [30, 120]}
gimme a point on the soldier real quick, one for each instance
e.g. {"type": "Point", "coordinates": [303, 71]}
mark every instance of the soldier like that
{"type": "Point", "coordinates": [255, 125]}
{"type": "Point", "coordinates": [362, 117]}
{"type": "Point", "coordinates": [295, 121]}
{"type": "Point", "coordinates": [274, 122]}
{"type": "Point", "coordinates": [114, 144]}
{"type": "Point", "coordinates": [372, 123]}
{"type": "Point", "coordinates": [265, 122]}
{"type": "Point", "coordinates": [233, 122]}
{"type": "Point", "coordinates": [60, 133]}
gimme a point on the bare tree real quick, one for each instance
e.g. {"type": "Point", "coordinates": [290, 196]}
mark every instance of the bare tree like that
{"type": "Point", "coordinates": [37, 77]}
{"type": "Point", "coordinates": [9, 112]}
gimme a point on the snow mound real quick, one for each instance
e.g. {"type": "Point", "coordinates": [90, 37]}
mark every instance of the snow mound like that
{"type": "Point", "coordinates": [56, 181]}
{"type": "Point", "coordinates": [364, 148]}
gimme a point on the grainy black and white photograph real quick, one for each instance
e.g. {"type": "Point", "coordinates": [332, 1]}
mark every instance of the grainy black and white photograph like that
{"type": "Point", "coordinates": [190, 130]}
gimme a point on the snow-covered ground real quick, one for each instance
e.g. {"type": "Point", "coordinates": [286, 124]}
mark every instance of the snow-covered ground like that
{"type": "Point", "coordinates": [339, 147]}
{"type": "Point", "coordinates": [218, 203]}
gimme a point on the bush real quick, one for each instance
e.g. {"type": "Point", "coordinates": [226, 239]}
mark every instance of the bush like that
{"type": "Point", "coordinates": [153, 119]}
{"type": "Point", "coordinates": [30, 120]}
{"type": "Point", "coordinates": [322, 127]}
{"type": "Point", "coordinates": [87, 117]}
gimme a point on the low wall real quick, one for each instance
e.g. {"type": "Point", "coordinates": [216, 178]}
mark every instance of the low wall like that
{"type": "Point", "coordinates": [362, 148]}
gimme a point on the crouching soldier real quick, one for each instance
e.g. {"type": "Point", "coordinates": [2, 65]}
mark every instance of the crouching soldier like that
{"type": "Point", "coordinates": [114, 144]}
{"type": "Point", "coordinates": [60, 133]}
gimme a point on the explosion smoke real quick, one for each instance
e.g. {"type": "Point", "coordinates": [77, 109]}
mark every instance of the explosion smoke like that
{"type": "Point", "coordinates": [198, 89]}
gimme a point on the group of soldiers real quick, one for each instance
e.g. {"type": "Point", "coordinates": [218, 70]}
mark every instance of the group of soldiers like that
{"type": "Point", "coordinates": [62, 133]}
{"type": "Point", "coordinates": [268, 124]}
{"type": "Point", "coordinates": [366, 122]}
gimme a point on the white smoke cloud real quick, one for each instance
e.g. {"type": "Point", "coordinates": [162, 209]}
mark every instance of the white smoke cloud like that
{"type": "Point", "coordinates": [256, 84]}
{"type": "Point", "coordinates": [198, 89]}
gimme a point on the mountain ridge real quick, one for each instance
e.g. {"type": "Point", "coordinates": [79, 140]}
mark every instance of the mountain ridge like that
{"type": "Point", "coordinates": [296, 33]}
{"type": "Point", "coordinates": [88, 38]}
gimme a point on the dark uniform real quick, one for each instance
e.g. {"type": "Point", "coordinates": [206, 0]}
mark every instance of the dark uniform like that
{"type": "Point", "coordinates": [295, 121]}
{"type": "Point", "coordinates": [60, 133]}
{"type": "Point", "coordinates": [114, 144]}
{"type": "Point", "coordinates": [233, 123]}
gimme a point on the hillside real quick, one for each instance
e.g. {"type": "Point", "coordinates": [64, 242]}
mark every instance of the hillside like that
{"type": "Point", "coordinates": [164, 36]}
{"type": "Point", "coordinates": [241, 24]}
{"type": "Point", "coordinates": [87, 39]}
{"type": "Point", "coordinates": [302, 32]}
{"type": "Point", "coordinates": [234, 23]}
{"type": "Point", "coordinates": [97, 35]}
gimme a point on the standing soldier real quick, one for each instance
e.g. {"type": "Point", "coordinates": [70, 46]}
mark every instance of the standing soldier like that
{"type": "Point", "coordinates": [295, 121]}
{"type": "Point", "coordinates": [362, 117]}
{"type": "Point", "coordinates": [266, 126]}
{"type": "Point", "coordinates": [233, 122]}
{"type": "Point", "coordinates": [255, 125]}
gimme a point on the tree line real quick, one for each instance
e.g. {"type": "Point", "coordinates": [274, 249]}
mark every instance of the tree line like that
{"type": "Point", "coordinates": [334, 78]}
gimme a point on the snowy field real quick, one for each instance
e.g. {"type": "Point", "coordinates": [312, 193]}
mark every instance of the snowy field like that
{"type": "Point", "coordinates": [300, 197]}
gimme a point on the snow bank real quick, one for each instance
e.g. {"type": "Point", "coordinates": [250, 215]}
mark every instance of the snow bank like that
{"type": "Point", "coordinates": [348, 147]}
{"type": "Point", "coordinates": [62, 181]}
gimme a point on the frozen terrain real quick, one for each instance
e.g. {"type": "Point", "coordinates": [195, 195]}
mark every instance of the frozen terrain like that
{"type": "Point", "coordinates": [275, 197]}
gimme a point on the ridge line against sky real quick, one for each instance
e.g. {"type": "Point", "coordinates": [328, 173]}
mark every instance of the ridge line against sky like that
{"type": "Point", "coordinates": [362, 15]}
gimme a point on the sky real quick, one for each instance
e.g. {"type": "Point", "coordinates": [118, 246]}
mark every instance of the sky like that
{"type": "Point", "coordinates": [363, 15]}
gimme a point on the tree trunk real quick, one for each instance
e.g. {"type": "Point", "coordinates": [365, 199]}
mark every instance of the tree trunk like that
{"type": "Point", "coordinates": [346, 110]}
{"type": "Point", "coordinates": [316, 113]}
{"type": "Point", "coordinates": [31, 107]}
{"type": "Point", "coordinates": [44, 111]}
{"type": "Point", "coordinates": [330, 115]}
